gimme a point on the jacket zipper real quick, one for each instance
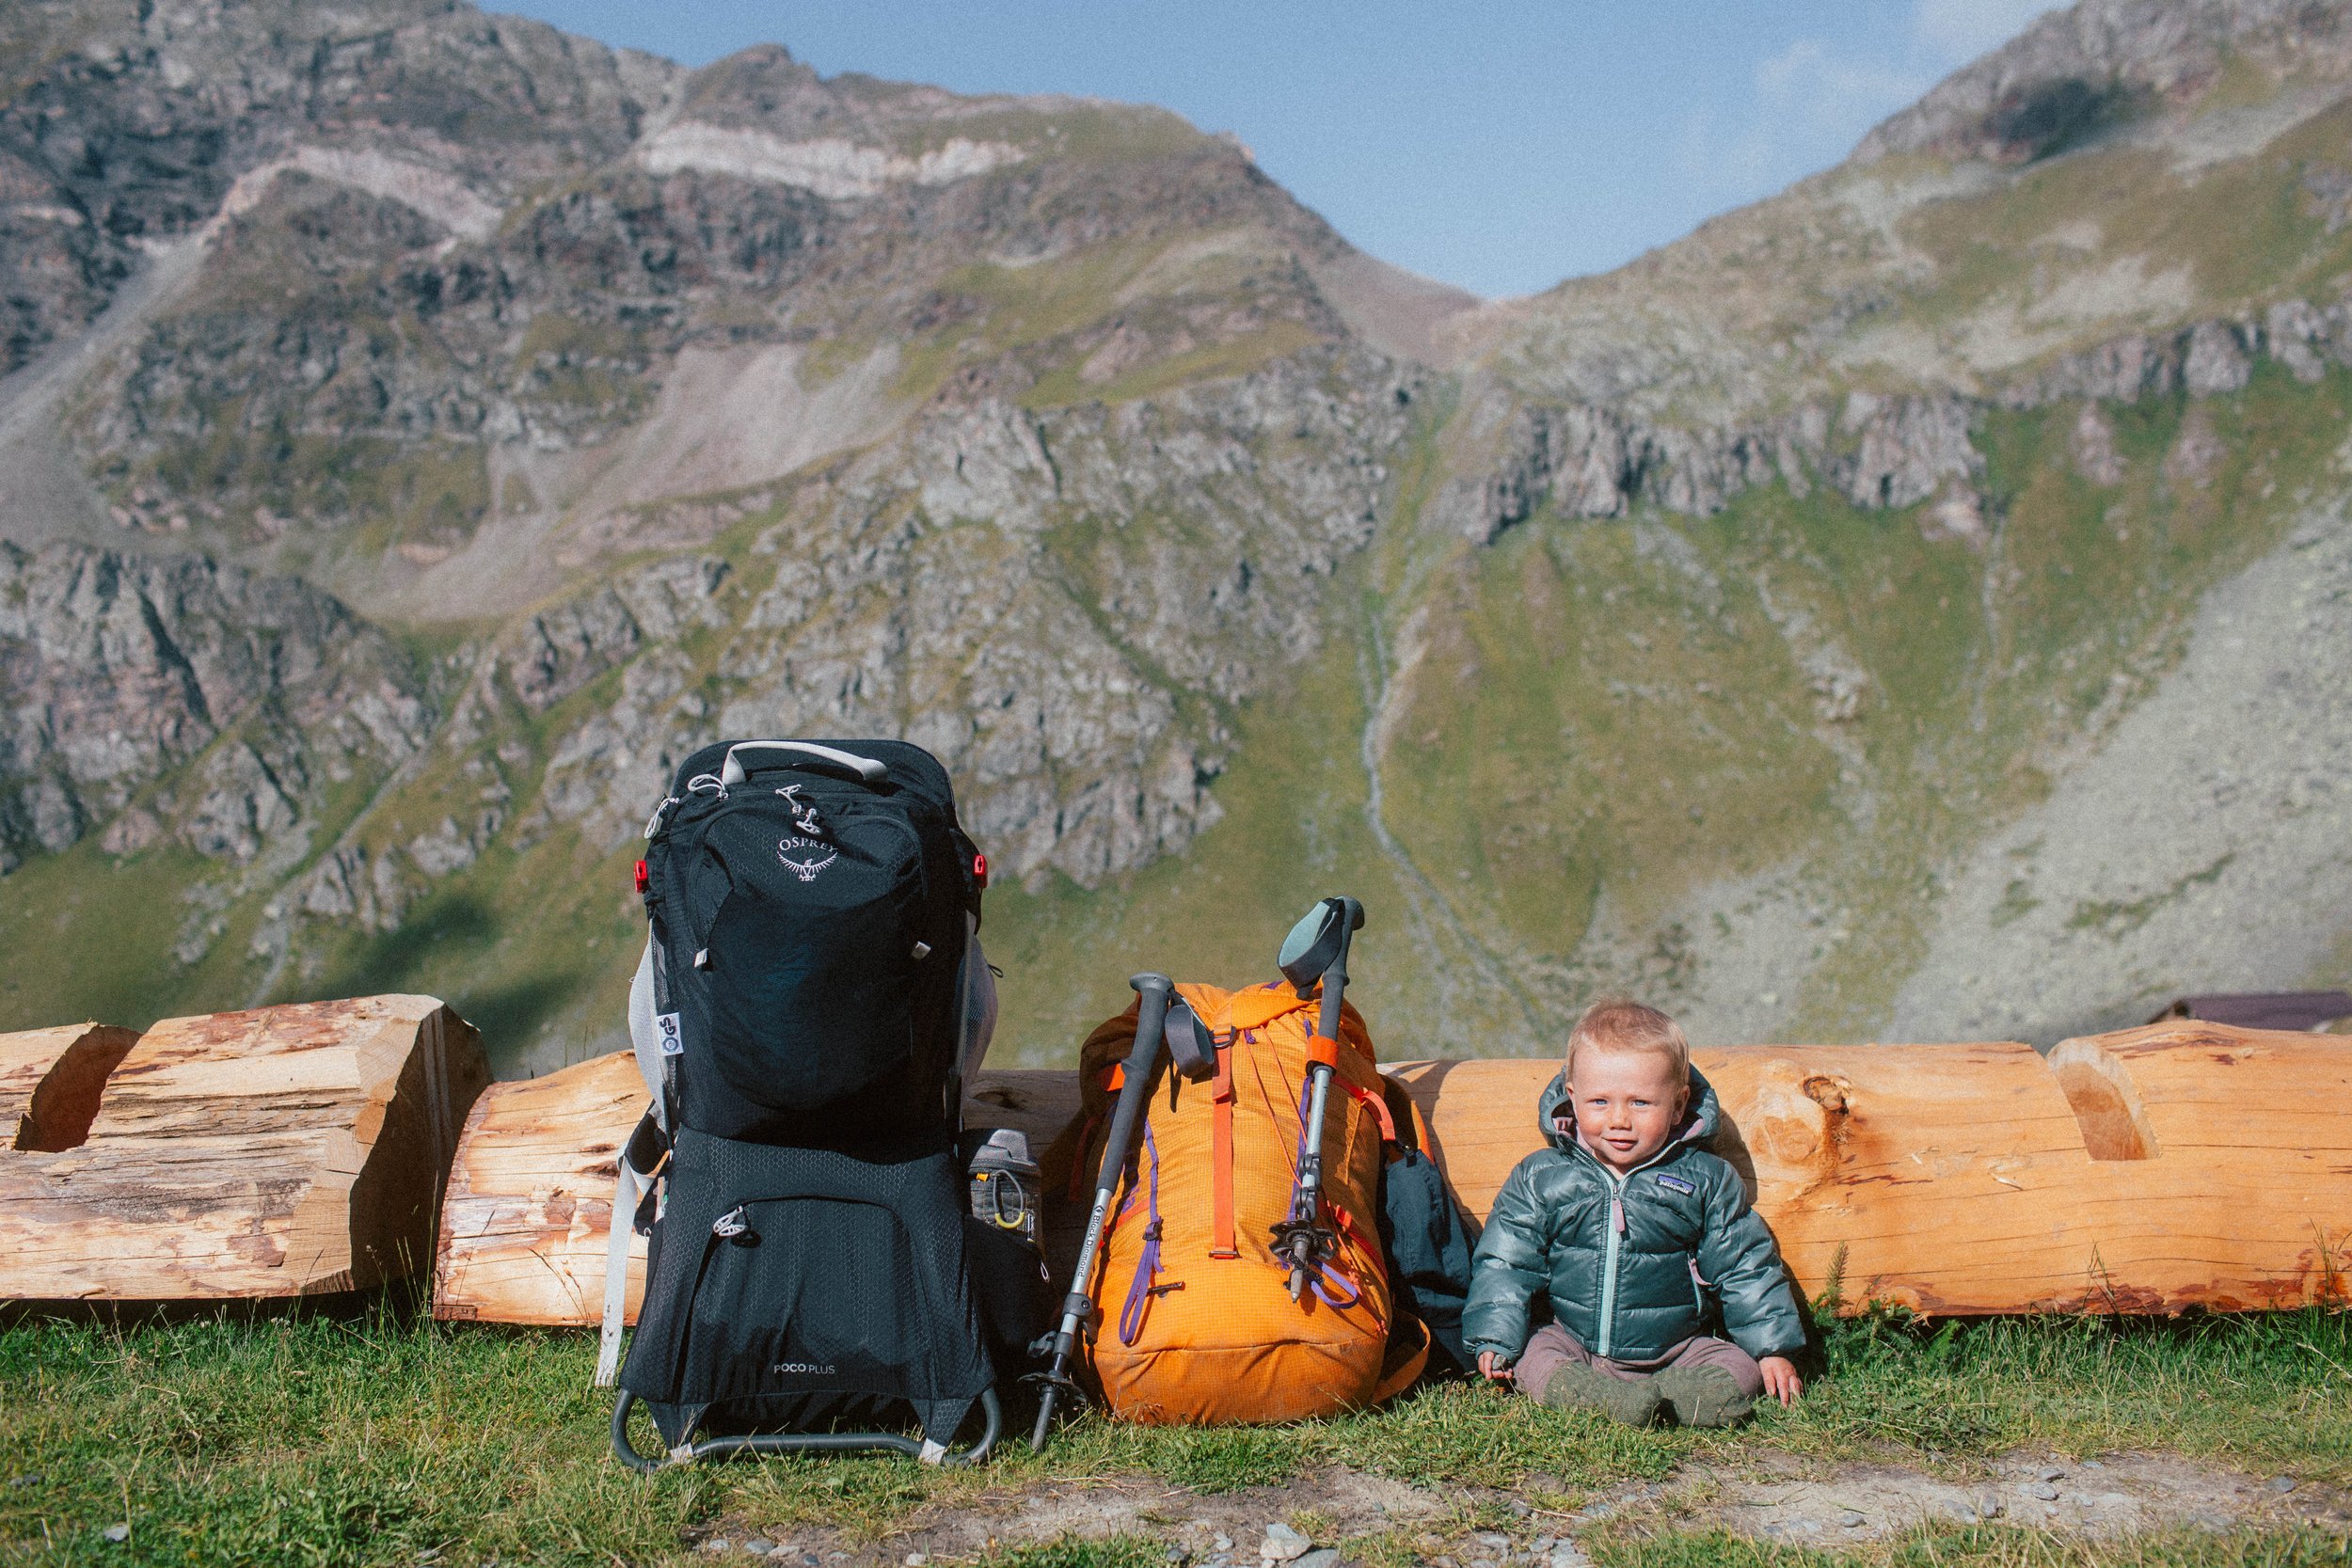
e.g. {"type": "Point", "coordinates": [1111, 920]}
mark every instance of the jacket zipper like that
{"type": "Point", "coordinates": [1612, 1245]}
{"type": "Point", "coordinates": [1612, 1250]}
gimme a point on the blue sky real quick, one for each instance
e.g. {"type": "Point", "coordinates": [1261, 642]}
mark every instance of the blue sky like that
{"type": "Point", "coordinates": [1500, 145]}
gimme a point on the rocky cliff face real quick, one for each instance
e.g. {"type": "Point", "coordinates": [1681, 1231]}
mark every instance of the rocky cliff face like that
{"type": "Point", "coordinates": [130, 124]}
{"type": "Point", "coordinates": [2081, 71]}
{"type": "Point", "coordinates": [186, 701]}
{"type": "Point", "coordinates": [427, 427]}
{"type": "Point", "coordinates": [986, 590]}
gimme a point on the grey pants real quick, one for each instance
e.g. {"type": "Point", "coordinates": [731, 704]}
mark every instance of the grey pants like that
{"type": "Point", "coordinates": [1553, 1347]}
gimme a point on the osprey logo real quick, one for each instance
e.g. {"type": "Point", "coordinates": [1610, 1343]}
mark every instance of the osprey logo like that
{"type": "Point", "coordinates": [804, 869]}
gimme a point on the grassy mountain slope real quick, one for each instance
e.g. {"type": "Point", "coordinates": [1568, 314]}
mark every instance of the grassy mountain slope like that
{"type": "Point", "coordinates": [1741, 755]}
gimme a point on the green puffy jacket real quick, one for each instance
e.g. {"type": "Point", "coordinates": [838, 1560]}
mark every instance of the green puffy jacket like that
{"type": "Point", "coordinates": [1625, 1262]}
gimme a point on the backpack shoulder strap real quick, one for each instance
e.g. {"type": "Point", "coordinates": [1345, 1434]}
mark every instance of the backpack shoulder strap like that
{"type": "Point", "coordinates": [639, 1165]}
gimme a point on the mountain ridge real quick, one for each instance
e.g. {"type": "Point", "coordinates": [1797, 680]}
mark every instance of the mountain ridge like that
{"type": "Point", "coordinates": [1702, 628]}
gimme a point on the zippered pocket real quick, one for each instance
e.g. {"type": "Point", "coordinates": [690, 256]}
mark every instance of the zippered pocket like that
{"type": "Point", "coordinates": [770, 1318]}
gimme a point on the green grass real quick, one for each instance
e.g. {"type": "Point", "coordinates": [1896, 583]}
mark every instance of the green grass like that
{"type": "Point", "coordinates": [315, 1441]}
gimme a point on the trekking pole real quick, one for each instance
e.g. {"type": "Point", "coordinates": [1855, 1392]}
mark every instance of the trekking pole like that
{"type": "Point", "coordinates": [1316, 951]}
{"type": "Point", "coordinates": [1152, 993]}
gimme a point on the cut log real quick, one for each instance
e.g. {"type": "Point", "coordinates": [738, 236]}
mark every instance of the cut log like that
{"type": "Point", "coordinates": [284, 1152]}
{"type": "Point", "coordinates": [524, 1228]}
{"type": "Point", "coordinates": [50, 1081]}
{"type": "Point", "coordinates": [530, 1204]}
{"type": "Point", "coordinates": [2225, 1173]}
{"type": "Point", "coordinates": [1949, 1178]}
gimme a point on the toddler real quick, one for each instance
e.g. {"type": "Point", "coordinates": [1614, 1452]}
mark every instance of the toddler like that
{"type": "Point", "coordinates": [1626, 1226]}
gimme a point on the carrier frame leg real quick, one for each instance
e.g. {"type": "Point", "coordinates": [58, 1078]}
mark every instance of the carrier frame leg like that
{"type": "Point", "coordinates": [991, 1409]}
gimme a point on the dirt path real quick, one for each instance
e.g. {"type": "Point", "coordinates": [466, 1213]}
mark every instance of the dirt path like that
{"type": "Point", "coordinates": [1766, 1495]}
{"type": "Point", "coordinates": [44, 494]}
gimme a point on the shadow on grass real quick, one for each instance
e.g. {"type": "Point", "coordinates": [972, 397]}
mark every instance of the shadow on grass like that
{"type": "Point", "coordinates": [510, 1016]}
{"type": "Point", "coordinates": [447, 933]}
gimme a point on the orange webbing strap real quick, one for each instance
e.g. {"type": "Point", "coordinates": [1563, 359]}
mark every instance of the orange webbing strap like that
{"type": "Point", "coordinates": [1222, 1155]}
{"type": "Point", "coordinates": [1322, 1050]}
{"type": "Point", "coordinates": [1368, 1245]}
{"type": "Point", "coordinates": [1379, 1109]}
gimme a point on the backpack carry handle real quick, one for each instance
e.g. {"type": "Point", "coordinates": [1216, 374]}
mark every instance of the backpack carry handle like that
{"type": "Point", "coordinates": [1316, 947]}
{"type": "Point", "coordinates": [864, 769]}
{"type": "Point", "coordinates": [1191, 1045]}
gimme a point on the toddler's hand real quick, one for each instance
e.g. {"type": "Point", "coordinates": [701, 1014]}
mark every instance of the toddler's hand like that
{"type": "Point", "coordinates": [1780, 1379]}
{"type": "Point", "coordinates": [1493, 1367]}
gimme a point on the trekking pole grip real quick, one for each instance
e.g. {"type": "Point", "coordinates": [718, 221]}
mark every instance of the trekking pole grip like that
{"type": "Point", "coordinates": [1335, 975]}
{"type": "Point", "coordinates": [1152, 995]}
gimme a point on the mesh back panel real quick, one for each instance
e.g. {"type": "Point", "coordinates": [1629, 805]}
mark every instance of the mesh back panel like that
{"type": "Point", "coordinates": [848, 1282]}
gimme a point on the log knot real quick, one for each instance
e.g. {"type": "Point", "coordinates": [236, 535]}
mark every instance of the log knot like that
{"type": "Point", "coordinates": [1829, 1092]}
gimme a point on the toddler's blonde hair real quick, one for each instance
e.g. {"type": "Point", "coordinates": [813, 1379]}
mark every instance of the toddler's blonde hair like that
{"type": "Point", "coordinates": [1619, 1023]}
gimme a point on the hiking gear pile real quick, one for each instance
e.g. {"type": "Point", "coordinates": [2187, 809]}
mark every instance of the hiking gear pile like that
{"type": "Point", "coordinates": [828, 1244]}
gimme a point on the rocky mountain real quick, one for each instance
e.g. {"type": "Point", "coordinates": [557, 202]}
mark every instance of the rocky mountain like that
{"type": "Point", "coordinates": [1913, 604]}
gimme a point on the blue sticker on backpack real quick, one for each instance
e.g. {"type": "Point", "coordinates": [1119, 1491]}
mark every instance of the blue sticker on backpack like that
{"type": "Point", "coordinates": [1676, 1182]}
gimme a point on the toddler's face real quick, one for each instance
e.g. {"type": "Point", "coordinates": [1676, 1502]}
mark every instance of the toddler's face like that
{"type": "Point", "coordinates": [1628, 1104]}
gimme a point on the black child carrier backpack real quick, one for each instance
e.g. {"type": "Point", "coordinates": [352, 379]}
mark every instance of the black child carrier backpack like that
{"type": "Point", "coordinates": [812, 996]}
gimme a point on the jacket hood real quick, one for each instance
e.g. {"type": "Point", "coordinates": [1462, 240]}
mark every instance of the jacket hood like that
{"type": "Point", "coordinates": [1699, 1120]}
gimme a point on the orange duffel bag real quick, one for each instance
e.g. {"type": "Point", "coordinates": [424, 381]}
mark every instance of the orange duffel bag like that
{"type": "Point", "coordinates": [1195, 1324]}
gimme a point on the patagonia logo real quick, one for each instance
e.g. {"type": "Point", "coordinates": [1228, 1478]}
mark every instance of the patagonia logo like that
{"type": "Point", "coordinates": [1675, 1182]}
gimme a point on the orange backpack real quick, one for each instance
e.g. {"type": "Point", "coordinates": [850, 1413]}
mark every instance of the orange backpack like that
{"type": "Point", "coordinates": [1196, 1323]}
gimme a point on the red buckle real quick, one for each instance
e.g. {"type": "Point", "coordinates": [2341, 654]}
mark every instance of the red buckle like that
{"type": "Point", "coordinates": [645, 878]}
